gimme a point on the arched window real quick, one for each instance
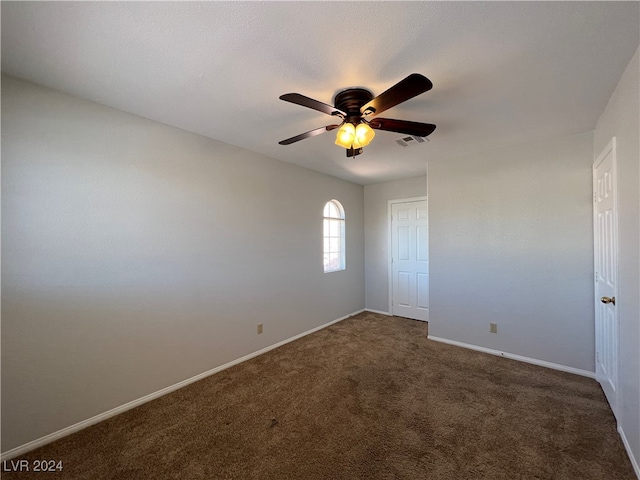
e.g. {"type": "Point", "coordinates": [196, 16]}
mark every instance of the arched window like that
{"type": "Point", "coordinates": [333, 227]}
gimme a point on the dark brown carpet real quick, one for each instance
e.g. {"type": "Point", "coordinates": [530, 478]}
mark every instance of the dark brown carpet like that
{"type": "Point", "coordinates": [367, 398]}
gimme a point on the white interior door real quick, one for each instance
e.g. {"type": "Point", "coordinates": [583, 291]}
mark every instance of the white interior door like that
{"type": "Point", "coordinates": [606, 272]}
{"type": "Point", "coordinates": [410, 260]}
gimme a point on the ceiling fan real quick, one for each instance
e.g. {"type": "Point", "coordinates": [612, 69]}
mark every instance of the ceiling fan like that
{"type": "Point", "coordinates": [358, 109]}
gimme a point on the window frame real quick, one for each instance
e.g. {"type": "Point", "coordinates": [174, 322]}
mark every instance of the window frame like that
{"type": "Point", "coordinates": [329, 237]}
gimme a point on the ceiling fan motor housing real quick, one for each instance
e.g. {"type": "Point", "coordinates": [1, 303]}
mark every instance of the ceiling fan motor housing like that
{"type": "Point", "coordinates": [350, 101]}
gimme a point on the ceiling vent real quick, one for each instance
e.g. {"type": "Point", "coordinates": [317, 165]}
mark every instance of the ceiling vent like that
{"type": "Point", "coordinates": [411, 140]}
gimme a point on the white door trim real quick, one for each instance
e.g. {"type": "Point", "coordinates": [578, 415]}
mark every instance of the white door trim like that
{"type": "Point", "coordinates": [389, 244]}
{"type": "Point", "coordinates": [609, 149]}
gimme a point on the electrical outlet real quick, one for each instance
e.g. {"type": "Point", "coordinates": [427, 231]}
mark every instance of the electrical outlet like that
{"type": "Point", "coordinates": [493, 327]}
{"type": "Point", "coordinates": [260, 329]}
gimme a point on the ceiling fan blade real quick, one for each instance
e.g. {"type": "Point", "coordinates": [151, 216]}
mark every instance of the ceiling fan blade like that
{"type": "Point", "coordinates": [403, 126]}
{"type": "Point", "coordinates": [310, 133]}
{"type": "Point", "coordinates": [311, 103]}
{"type": "Point", "coordinates": [413, 85]}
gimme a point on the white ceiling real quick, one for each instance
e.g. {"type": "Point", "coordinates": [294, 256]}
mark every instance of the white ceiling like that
{"type": "Point", "coordinates": [503, 72]}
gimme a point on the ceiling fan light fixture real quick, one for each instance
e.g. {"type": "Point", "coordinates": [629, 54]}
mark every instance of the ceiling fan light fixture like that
{"type": "Point", "coordinates": [364, 135]}
{"type": "Point", "coordinates": [346, 135]}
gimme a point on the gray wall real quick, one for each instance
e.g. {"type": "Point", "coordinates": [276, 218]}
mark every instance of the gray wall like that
{"type": "Point", "coordinates": [511, 243]}
{"type": "Point", "coordinates": [136, 255]}
{"type": "Point", "coordinates": [376, 198]}
{"type": "Point", "coordinates": [621, 119]}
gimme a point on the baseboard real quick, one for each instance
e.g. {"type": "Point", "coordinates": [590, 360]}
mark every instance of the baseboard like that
{"type": "Point", "coordinates": [377, 311]}
{"type": "Point", "coordinates": [634, 461]}
{"type": "Point", "coordinates": [512, 356]}
{"type": "Point", "coordinates": [27, 447]}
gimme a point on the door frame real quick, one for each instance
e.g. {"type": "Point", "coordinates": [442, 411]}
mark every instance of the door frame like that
{"type": "Point", "coordinates": [609, 148]}
{"type": "Point", "coordinates": [390, 203]}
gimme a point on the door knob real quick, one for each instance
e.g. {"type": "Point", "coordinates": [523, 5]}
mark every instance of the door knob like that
{"type": "Point", "coordinates": [608, 300]}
